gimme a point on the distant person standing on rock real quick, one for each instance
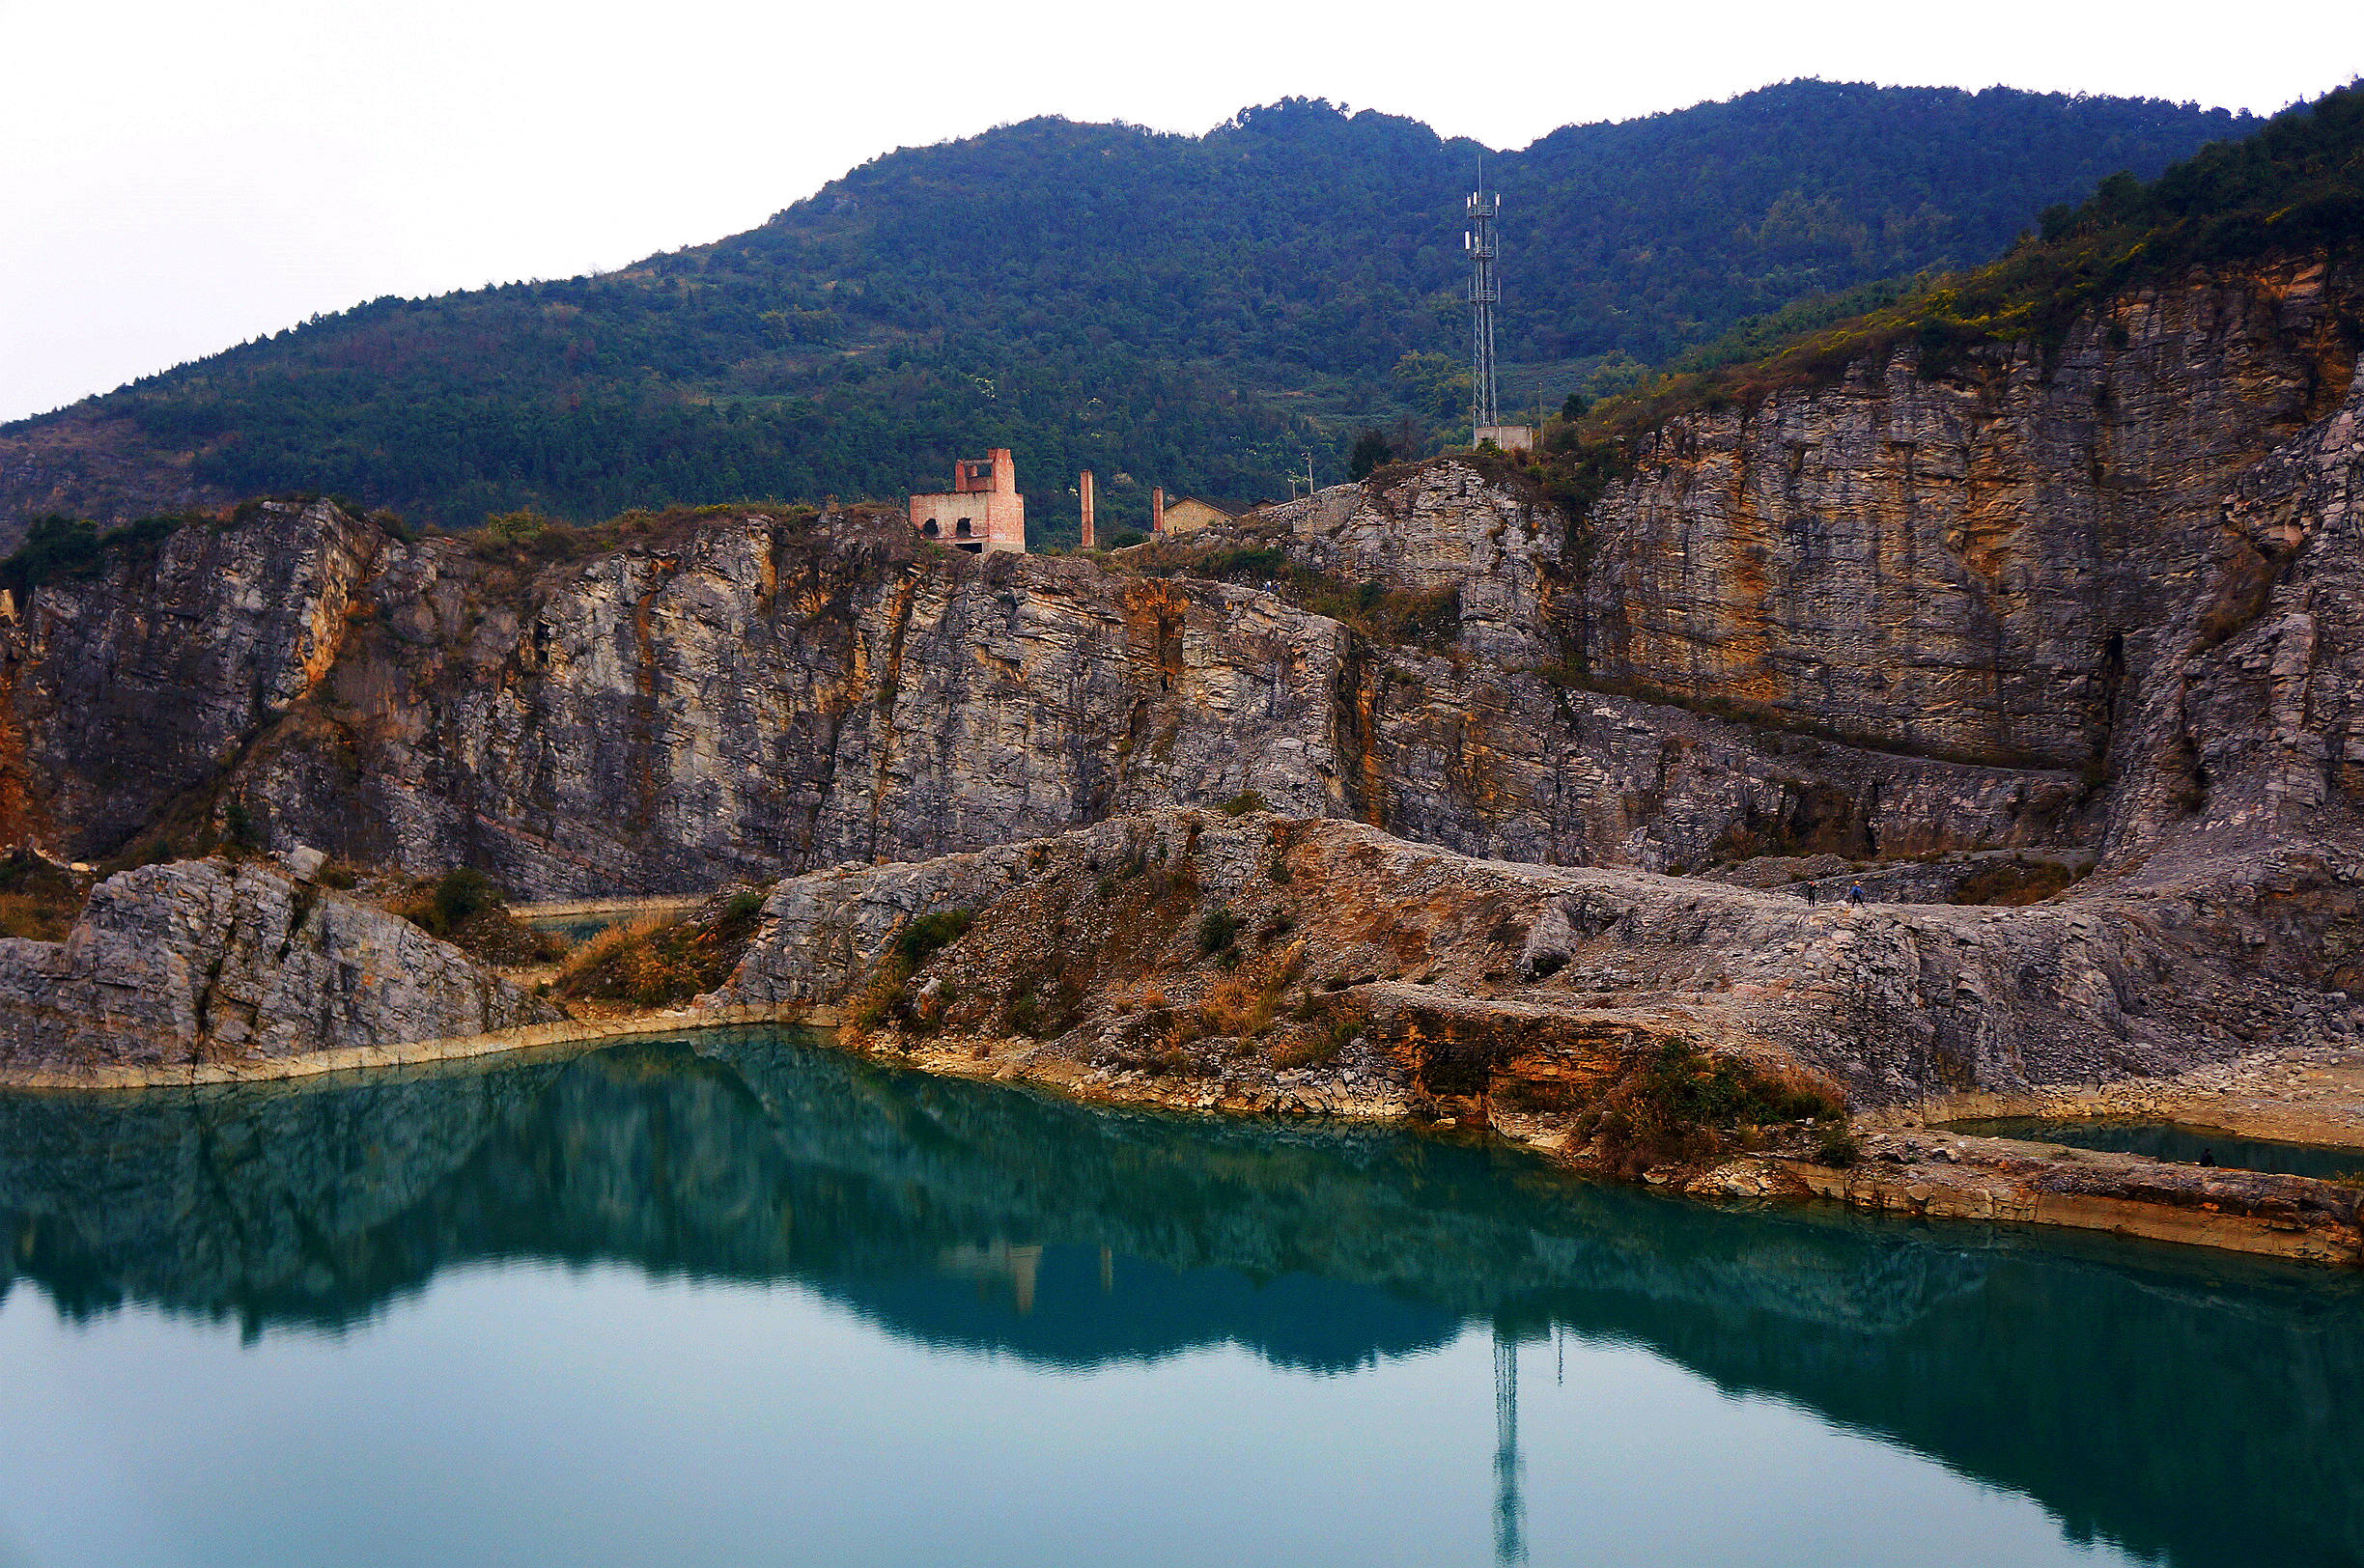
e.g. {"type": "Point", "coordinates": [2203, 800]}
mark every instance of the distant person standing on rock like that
{"type": "Point", "coordinates": [1809, 894]}
{"type": "Point", "coordinates": [1855, 894]}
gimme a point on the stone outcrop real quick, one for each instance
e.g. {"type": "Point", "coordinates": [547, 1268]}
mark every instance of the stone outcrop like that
{"type": "Point", "coordinates": [1474, 980]}
{"type": "Point", "coordinates": [203, 960]}
{"type": "Point", "coordinates": [1936, 1176]}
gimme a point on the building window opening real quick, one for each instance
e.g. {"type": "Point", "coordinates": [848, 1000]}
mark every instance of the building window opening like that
{"type": "Point", "coordinates": [961, 528]}
{"type": "Point", "coordinates": [930, 529]}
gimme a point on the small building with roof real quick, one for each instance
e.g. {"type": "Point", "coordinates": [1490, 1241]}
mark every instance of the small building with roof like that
{"type": "Point", "coordinates": [1187, 514]}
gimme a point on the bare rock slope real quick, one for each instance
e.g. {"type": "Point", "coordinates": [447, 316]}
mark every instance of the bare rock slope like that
{"type": "Point", "coordinates": [739, 696]}
{"type": "Point", "coordinates": [1227, 954]}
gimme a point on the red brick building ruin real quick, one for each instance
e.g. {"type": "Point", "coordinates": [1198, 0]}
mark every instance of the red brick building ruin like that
{"type": "Point", "coordinates": [981, 511]}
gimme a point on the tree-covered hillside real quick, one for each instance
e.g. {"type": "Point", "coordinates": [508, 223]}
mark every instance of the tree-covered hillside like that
{"type": "Point", "coordinates": [1196, 312]}
{"type": "Point", "coordinates": [2293, 189]}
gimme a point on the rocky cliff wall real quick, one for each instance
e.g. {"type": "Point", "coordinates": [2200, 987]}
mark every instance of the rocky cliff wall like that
{"type": "Point", "coordinates": [119, 695]}
{"type": "Point", "coordinates": [1974, 554]}
{"type": "Point", "coordinates": [760, 694]}
{"type": "Point", "coordinates": [2248, 731]}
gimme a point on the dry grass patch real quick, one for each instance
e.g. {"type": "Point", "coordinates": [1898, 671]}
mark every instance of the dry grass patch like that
{"type": "Point", "coordinates": [656, 960]}
{"type": "Point", "coordinates": [1239, 1008]}
{"type": "Point", "coordinates": [38, 899]}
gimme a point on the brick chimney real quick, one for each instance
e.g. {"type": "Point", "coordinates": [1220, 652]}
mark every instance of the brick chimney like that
{"type": "Point", "coordinates": [1086, 487]}
{"type": "Point", "coordinates": [1157, 509]}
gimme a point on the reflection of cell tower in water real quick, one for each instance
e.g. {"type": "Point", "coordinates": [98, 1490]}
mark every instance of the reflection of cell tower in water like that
{"type": "Point", "coordinates": [1509, 1508]}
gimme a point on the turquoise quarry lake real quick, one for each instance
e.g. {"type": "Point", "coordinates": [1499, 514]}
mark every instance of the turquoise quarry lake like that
{"type": "Point", "coordinates": [739, 1300]}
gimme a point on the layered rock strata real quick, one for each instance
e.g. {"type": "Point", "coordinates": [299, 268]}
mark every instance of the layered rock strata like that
{"type": "Point", "coordinates": [1979, 555]}
{"type": "Point", "coordinates": [208, 962]}
{"type": "Point", "coordinates": [761, 694]}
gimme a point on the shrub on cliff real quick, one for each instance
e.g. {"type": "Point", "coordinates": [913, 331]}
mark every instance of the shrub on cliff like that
{"type": "Point", "coordinates": [924, 937]}
{"type": "Point", "coordinates": [1218, 929]}
{"type": "Point", "coordinates": [466, 907]}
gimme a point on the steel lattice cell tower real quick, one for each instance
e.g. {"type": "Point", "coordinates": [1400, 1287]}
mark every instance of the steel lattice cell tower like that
{"type": "Point", "coordinates": [1485, 293]}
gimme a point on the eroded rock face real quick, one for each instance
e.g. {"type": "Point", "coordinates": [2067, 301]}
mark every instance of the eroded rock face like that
{"type": "Point", "coordinates": [2250, 732]}
{"type": "Point", "coordinates": [763, 694]}
{"type": "Point", "coordinates": [775, 693]}
{"type": "Point", "coordinates": [1476, 975]}
{"type": "Point", "coordinates": [123, 692]}
{"type": "Point", "coordinates": [202, 960]}
{"type": "Point", "coordinates": [1974, 557]}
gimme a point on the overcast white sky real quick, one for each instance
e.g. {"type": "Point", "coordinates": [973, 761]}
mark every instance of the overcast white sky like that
{"type": "Point", "coordinates": [179, 177]}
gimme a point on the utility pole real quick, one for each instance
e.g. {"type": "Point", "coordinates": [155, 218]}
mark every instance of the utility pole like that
{"type": "Point", "coordinates": [1485, 293]}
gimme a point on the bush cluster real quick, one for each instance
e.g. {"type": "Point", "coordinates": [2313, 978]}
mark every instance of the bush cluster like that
{"type": "Point", "coordinates": [1677, 1105]}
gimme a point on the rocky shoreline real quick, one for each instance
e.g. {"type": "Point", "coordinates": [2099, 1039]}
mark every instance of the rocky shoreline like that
{"type": "Point", "coordinates": [1922, 1175]}
{"type": "Point", "coordinates": [1686, 1034]}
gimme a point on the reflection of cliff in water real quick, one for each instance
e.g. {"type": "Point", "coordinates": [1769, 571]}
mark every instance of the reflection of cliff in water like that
{"type": "Point", "coordinates": [2175, 1402]}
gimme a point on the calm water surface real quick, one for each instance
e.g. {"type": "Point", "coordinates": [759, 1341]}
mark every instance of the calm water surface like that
{"type": "Point", "coordinates": [737, 1301]}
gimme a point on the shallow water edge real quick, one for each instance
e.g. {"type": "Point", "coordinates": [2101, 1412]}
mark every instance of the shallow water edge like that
{"type": "Point", "coordinates": [1986, 1180]}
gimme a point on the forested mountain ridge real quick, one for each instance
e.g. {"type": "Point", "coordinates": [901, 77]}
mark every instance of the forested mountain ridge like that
{"type": "Point", "coordinates": [1196, 312]}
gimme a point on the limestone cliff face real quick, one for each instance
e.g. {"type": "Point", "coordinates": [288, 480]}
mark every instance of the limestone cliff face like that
{"type": "Point", "coordinates": [1973, 557]}
{"type": "Point", "coordinates": [762, 694]}
{"type": "Point", "coordinates": [1484, 745]}
{"type": "Point", "coordinates": [765, 694]}
{"type": "Point", "coordinates": [125, 692]}
{"type": "Point", "coordinates": [206, 961]}
{"type": "Point", "coordinates": [2248, 734]}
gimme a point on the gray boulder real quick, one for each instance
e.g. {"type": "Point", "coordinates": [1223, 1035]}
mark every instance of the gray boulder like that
{"type": "Point", "coordinates": [206, 961]}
